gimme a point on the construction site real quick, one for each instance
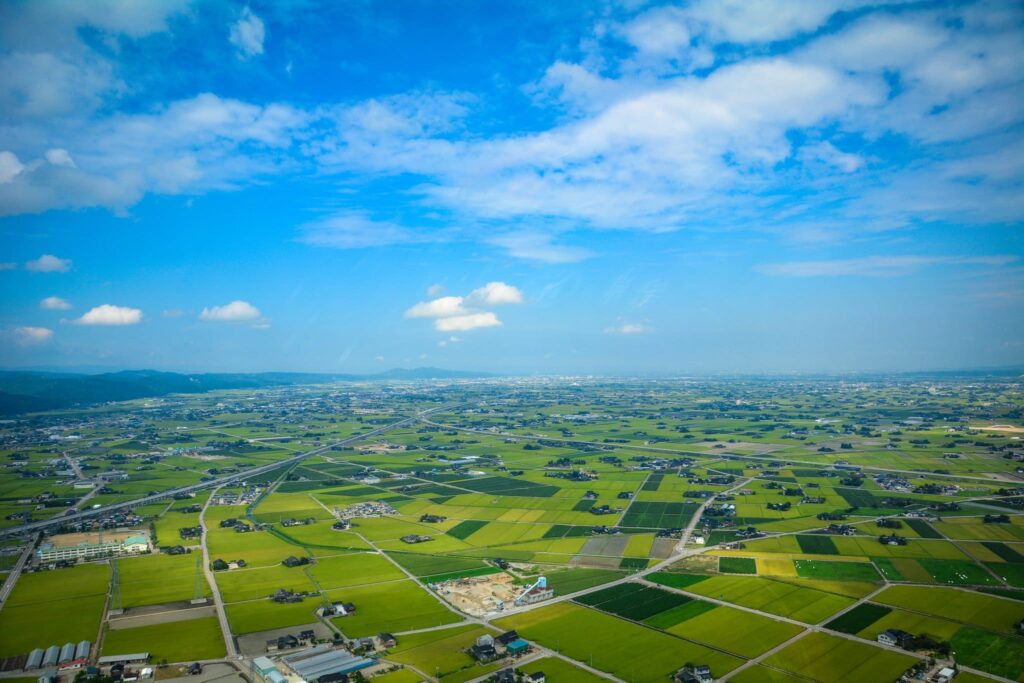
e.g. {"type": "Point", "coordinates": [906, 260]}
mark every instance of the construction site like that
{"type": "Point", "coordinates": [484, 595]}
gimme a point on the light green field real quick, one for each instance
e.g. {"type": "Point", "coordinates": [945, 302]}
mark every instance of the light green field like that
{"type": "Point", "coordinates": [77, 595]}
{"type": "Point", "coordinates": [959, 605]}
{"type": "Point", "coordinates": [560, 670]}
{"type": "Point", "coordinates": [442, 652]}
{"type": "Point", "coordinates": [178, 641]}
{"type": "Point", "coordinates": [612, 644]}
{"type": "Point", "coordinates": [394, 606]}
{"type": "Point", "coordinates": [784, 599]}
{"type": "Point", "coordinates": [735, 631]}
{"type": "Point", "coordinates": [156, 579]}
{"type": "Point", "coordinates": [832, 659]}
{"type": "Point", "coordinates": [263, 615]}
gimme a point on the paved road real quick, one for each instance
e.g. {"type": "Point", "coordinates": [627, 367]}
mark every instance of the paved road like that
{"type": "Point", "coordinates": [12, 577]}
{"type": "Point", "coordinates": [218, 602]}
{"type": "Point", "coordinates": [215, 483]}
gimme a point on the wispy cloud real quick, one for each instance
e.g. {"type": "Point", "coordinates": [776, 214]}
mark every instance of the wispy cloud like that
{"type": "Point", "coordinates": [55, 303]}
{"type": "Point", "coordinates": [31, 336]}
{"type": "Point", "coordinates": [629, 328]}
{"type": "Point", "coordinates": [875, 266]}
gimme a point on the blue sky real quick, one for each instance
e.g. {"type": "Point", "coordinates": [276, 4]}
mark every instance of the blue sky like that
{"type": "Point", "coordinates": [598, 187]}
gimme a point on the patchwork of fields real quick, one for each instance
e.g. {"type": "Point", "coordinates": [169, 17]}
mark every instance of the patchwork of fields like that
{"type": "Point", "coordinates": [694, 529]}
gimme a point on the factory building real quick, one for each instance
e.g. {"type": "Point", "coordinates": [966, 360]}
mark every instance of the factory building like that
{"type": "Point", "coordinates": [321, 661]}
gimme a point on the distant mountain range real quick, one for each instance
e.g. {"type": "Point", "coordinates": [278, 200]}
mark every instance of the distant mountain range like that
{"type": "Point", "coordinates": [29, 391]}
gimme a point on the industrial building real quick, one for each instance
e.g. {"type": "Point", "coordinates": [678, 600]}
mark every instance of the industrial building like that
{"type": "Point", "coordinates": [134, 658]}
{"type": "Point", "coordinates": [320, 661]}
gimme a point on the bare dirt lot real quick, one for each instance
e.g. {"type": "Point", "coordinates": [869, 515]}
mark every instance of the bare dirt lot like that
{"type": "Point", "coordinates": [481, 594]}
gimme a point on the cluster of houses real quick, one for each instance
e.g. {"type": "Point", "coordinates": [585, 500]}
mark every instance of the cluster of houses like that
{"type": "Point", "coordinates": [510, 675]}
{"type": "Point", "coordinates": [291, 521]}
{"type": "Point", "coordinates": [238, 525]}
{"type": "Point", "coordinates": [337, 609]}
{"type": "Point", "coordinates": [284, 595]}
{"type": "Point", "coordinates": [220, 565]}
{"type": "Point", "coordinates": [372, 508]}
{"type": "Point", "coordinates": [488, 648]}
{"type": "Point", "coordinates": [694, 673]}
{"type": "Point", "coordinates": [413, 539]}
{"type": "Point", "coordinates": [290, 642]}
{"type": "Point", "coordinates": [892, 539]}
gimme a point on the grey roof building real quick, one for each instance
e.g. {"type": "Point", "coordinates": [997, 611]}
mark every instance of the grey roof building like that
{"type": "Point", "coordinates": [82, 651]}
{"type": "Point", "coordinates": [35, 659]}
{"type": "Point", "coordinates": [51, 656]}
{"type": "Point", "coordinates": [67, 653]}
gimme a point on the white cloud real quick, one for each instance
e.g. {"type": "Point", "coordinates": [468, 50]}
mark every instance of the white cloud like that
{"type": "Point", "coordinates": [442, 307]}
{"type": "Point", "coordinates": [32, 336]}
{"type": "Point", "coordinates": [629, 328]}
{"type": "Point", "coordinates": [876, 266]}
{"type": "Point", "coordinates": [172, 313]}
{"type": "Point", "coordinates": [8, 265]}
{"type": "Point", "coordinates": [450, 340]}
{"type": "Point", "coordinates": [9, 167]}
{"type": "Point", "coordinates": [235, 312]}
{"type": "Point", "coordinates": [495, 294]}
{"type": "Point", "coordinates": [247, 34]}
{"type": "Point", "coordinates": [48, 263]}
{"type": "Point", "coordinates": [55, 303]}
{"type": "Point", "coordinates": [353, 230]}
{"type": "Point", "coordinates": [435, 290]}
{"type": "Point", "coordinates": [464, 323]}
{"type": "Point", "coordinates": [59, 157]}
{"type": "Point", "coordinates": [107, 314]}
{"type": "Point", "coordinates": [460, 314]}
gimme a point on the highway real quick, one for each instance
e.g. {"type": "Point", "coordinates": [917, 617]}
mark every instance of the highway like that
{"type": "Point", "coordinates": [12, 577]}
{"type": "Point", "coordinates": [214, 483]}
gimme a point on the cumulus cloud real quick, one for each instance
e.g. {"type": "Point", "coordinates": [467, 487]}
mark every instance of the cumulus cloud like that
{"type": "Point", "coordinates": [235, 312]}
{"type": "Point", "coordinates": [31, 336]}
{"type": "Point", "coordinates": [247, 34]}
{"type": "Point", "coordinates": [55, 303]}
{"type": "Point", "coordinates": [10, 167]}
{"type": "Point", "coordinates": [629, 328]}
{"type": "Point", "coordinates": [108, 314]}
{"type": "Point", "coordinates": [59, 157]}
{"type": "Point", "coordinates": [435, 290]}
{"type": "Point", "coordinates": [460, 314]}
{"type": "Point", "coordinates": [495, 294]}
{"type": "Point", "coordinates": [48, 263]}
{"type": "Point", "coordinates": [464, 323]}
{"type": "Point", "coordinates": [442, 307]}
